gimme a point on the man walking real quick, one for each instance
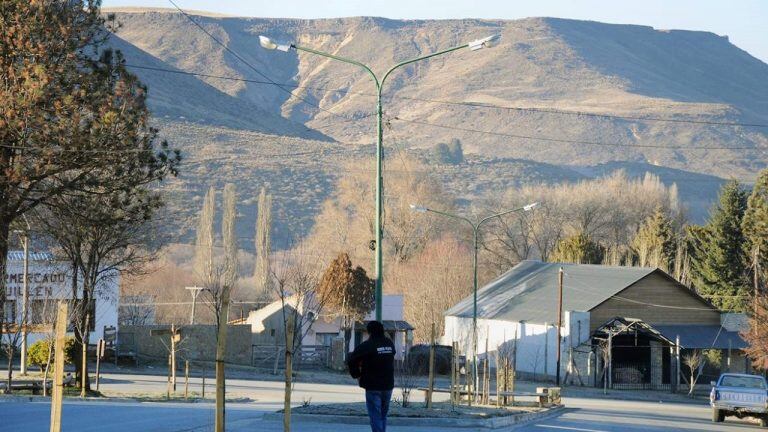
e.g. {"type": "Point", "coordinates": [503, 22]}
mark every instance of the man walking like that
{"type": "Point", "coordinates": [373, 364]}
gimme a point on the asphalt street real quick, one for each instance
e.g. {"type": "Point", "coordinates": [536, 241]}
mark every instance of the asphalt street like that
{"type": "Point", "coordinates": [582, 414]}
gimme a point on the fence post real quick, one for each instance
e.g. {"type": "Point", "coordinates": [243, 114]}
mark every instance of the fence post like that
{"type": "Point", "coordinates": [431, 368]}
{"type": "Point", "coordinates": [454, 348]}
{"type": "Point", "coordinates": [186, 379]}
{"type": "Point", "coordinates": [57, 392]}
{"type": "Point", "coordinates": [99, 355]}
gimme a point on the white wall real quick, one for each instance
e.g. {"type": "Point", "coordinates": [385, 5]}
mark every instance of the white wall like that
{"type": "Point", "coordinates": [52, 281]}
{"type": "Point", "coordinates": [536, 342]}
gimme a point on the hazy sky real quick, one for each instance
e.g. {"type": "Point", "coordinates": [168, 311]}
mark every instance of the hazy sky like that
{"type": "Point", "coordinates": [744, 21]}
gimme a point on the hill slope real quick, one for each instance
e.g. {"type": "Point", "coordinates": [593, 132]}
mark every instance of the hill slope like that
{"type": "Point", "coordinates": [541, 62]}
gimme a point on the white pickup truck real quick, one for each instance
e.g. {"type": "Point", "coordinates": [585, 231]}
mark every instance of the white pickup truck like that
{"type": "Point", "coordinates": [739, 395]}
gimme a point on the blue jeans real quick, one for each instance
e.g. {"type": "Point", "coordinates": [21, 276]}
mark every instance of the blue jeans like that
{"type": "Point", "coordinates": [377, 402]}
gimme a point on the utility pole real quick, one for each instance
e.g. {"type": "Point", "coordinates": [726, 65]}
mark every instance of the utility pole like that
{"type": "Point", "coordinates": [195, 291]}
{"type": "Point", "coordinates": [559, 321]}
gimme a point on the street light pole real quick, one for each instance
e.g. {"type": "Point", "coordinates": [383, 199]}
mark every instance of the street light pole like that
{"type": "Point", "coordinates": [475, 235]}
{"type": "Point", "coordinates": [487, 42]}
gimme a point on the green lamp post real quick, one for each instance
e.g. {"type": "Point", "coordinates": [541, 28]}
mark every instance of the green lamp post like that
{"type": "Point", "coordinates": [475, 45]}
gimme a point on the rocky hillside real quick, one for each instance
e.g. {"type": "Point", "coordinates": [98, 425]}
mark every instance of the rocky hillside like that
{"type": "Point", "coordinates": [233, 125]}
{"type": "Point", "coordinates": [544, 63]}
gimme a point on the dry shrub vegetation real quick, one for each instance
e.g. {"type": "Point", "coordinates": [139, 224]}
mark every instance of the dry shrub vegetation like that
{"type": "Point", "coordinates": [428, 257]}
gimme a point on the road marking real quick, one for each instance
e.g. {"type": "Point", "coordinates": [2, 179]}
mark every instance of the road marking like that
{"type": "Point", "coordinates": [570, 428]}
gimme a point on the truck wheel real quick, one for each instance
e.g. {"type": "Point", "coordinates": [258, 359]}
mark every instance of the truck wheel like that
{"type": "Point", "coordinates": [719, 415]}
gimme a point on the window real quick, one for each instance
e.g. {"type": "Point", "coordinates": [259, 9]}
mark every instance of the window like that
{"type": "Point", "coordinates": [42, 311]}
{"type": "Point", "coordinates": [9, 311]}
{"type": "Point", "coordinates": [325, 339]}
{"type": "Point", "coordinates": [742, 382]}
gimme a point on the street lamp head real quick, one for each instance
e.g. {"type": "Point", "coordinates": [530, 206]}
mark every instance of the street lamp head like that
{"type": "Point", "coordinates": [531, 206]}
{"type": "Point", "coordinates": [486, 42]}
{"type": "Point", "coordinates": [418, 208]}
{"type": "Point", "coordinates": [269, 44]}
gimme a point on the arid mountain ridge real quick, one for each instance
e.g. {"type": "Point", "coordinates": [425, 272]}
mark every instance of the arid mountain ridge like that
{"type": "Point", "coordinates": [542, 63]}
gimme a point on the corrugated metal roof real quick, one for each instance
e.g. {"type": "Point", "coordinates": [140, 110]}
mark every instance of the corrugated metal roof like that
{"type": "Point", "coordinates": [702, 336]}
{"type": "Point", "coordinates": [529, 291]}
{"type": "Point", "coordinates": [33, 256]}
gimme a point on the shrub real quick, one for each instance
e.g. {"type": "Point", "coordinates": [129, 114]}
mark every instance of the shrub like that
{"type": "Point", "coordinates": [418, 360]}
{"type": "Point", "coordinates": [37, 355]}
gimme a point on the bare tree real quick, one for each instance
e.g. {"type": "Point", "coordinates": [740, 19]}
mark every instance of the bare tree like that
{"type": "Point", "coordinates": [695, 362]}
{"type": "Point", "coordinates": [436, 279]}
{"type": "Point", "coordinates": [261, 273]}
{"type": "Point", "coordinates": [102, 236]}
{"type": "Point", "coordinates": [221, 278]}
{"type": "Point", "coordinates": [203, 259]}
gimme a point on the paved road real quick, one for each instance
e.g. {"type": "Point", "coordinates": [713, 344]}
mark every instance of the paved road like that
{"type": "Point", "coordinates": [582, 415]}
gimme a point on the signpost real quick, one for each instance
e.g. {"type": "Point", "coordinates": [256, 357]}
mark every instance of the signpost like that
{"type": "Point", "coordinates": [99, 355]}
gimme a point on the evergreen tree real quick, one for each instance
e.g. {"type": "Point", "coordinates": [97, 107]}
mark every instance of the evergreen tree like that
{"type": "Point", "coordinates": [442, 153]}
{"type": "Point", "coordinates": [654, 243]}
{"type": "Point", "coordinates": [579, 249]}
{"type": "Point", "coordinates": [755, 225]}
{"type": "Point", "coordinates": [718, 262]}
{"type": "Point", "coordinates": [456, 151]}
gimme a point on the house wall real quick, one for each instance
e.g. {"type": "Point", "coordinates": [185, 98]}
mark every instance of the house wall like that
{"type": "Point", "coordinates": [536, 344]}
{"type": "Point", "coordinates": [51, 281]}
{"type": "Point", "coordinates": [656, 289]}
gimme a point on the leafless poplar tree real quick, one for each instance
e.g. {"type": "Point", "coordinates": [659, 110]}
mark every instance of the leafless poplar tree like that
{"type": "Point", "coordinates": [222, 276]}
{"type": "Point", "coordinates": [261, 273]}
{"type": "Point", "coordinates": [203, 260]}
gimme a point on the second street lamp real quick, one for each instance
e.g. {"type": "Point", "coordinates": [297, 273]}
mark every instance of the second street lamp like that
{"type": "Point", "coordinates": [475, 45]}
{"type": "Point", "coordinates": [475, 233]}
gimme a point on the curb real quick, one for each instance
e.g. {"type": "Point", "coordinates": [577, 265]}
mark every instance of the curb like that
{"type": "Point", "coordinates": [38, 398]}
{"type": "Point", "coordinates": [427, 422]}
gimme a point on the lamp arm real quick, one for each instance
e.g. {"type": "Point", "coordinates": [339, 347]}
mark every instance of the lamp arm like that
{"type": "Point", "coordinates": [413, 60]}
{"type": "Point", "coordinates": [453, 216]}
{"type": "Point", "coordinates": [341, 59]}
{"type": "Point", "coordinates": [486, 219]}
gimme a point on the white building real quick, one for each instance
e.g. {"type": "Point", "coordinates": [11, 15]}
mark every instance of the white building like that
{"type": "Point", "coordinates": [49, 281]}
{"type": "Point", "coordinates": [638, 317]}
{"type": "Point", "coordinates": [267, 322]}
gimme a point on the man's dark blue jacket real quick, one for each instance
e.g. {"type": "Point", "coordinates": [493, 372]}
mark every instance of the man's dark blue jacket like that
{"type": "Point", "coordinates": [373, 363]}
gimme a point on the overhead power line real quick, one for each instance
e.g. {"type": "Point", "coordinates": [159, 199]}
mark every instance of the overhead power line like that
{"type": "Point", "coordinates": [459, 103]}
{"type": "Point", "coordinates": [585, 113]}
{"type": "Point", "coordinates": [568, 141]}
{"type": "Point", "coordinates": [252, 67]}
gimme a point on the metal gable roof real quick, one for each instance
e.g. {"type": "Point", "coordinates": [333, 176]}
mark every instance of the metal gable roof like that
{"type": "Point", "coordinates": [33, 256]}
{"type": "Point", "coordinates": [703, 336]}
{"type": "Point", "coordinates": [529, 291]}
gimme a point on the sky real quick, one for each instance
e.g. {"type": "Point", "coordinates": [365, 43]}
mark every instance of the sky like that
{"type": "Point", "coordinates": [745, 22]}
